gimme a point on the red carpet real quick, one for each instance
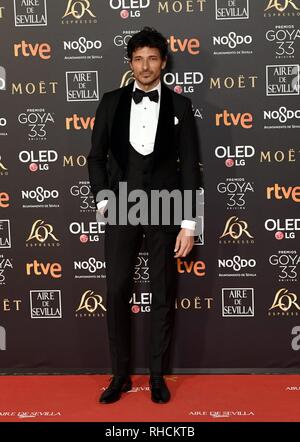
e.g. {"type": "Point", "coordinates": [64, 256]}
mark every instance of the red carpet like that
{"type": "Point", "coordinates": [195, 398]}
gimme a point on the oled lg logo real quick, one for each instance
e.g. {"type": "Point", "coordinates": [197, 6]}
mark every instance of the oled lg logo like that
{"type": "Point", "coordinates": [184, 82]}
{"type": "Point", "coordinates": [129, 8]}
{"type": "Point", "coordinates": [38, 160]}
{"type": "Point", "coordinates": [234, 155]}
{"type": "Point", "coordinates": [283, 228]}
{"type": "Point", "coordinates": [2, 338]}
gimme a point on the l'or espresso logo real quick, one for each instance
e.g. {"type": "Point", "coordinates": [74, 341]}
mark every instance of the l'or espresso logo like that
{"type": "Point", "coordinates": [36, 121]}
{"type": "Point", "coordinates": [233, 82]}
{"type": "Point", "coordinates": [282, 8]}
{"type": "Point", "coordinates": [45, 304]}
{"type": "Point", "coordinates": [229, 119]}
{"type": "Point", "coordinates": [141, 268]}
{"type": "Point", "coordinates": [82, 86]}
{"type": "Point", "coordinates": [30, 12]}
{"type": "Point", "coordinates": [183, 82]}
{"type": "Point", "coordinates": [79, 12]}
{"type": "Point", "coordinates": [82, 192]}
{"type": "Point", "coordinates": [88, 231]}
{"type": "Point", "coordinates": [285, 304]}
{"type": "Point", "coordinates": [284, 39]}
{"type": "Point", "coordinates": [41, 50]}
{"type": "Point", "coordinates": [3, 168]}
{"type": "Point", "coordinates": [42, 235]}
{"type": "Point", "coordinates": [91, 305]}
{"type": "Point", "coordinates": [236, 232]}
{"type": "Point", "coordinates": [279, 156]}
{"type": "Point", "coordinates": [281, 193]}
{"type": "Point", "coordinates": [282, 80]}
{"type": "Point", "coordinates": [283, 228]}
{"type": "Point", "coordinates": [4, 200]}
{"type": "Point", "coordinates": [286, 262]}
{"type": "Point", "coordinates": [5, 237]}
{"type": "Point", "coordinates": [76, 122]}
{"type": "Point", "coordinates": [38, 88]}
{"type": "Point", "coordinates": [5, 266]}
{"type": "Point", "coordinates": [237, 302]}
{"type": "Point", "coordinates": [235, 191]}
{"type": "Point", "coordinates": [232, 9]}
{"type": "Point", "coordinates": [234, 155]}
{"type": "Point", "coordinates": [196, 268]}
{"type": "Point", "coordinates": [36, 268]}
{"type": "Point", "coordinates": [129, 8]}
{"type": "Point", "coordinates": [180, 6]}
{"type": "Point", "coordinates": [38, 160]}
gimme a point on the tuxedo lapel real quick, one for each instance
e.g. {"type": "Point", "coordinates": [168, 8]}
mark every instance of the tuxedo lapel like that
{"type": "Point", "coordinates": [165, 128]}
{"type": "Point", "coordinates": [121, 126]}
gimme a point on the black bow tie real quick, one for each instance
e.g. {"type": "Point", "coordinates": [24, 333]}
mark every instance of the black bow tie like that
{"type": "Point", "coordinates": [138, 95]}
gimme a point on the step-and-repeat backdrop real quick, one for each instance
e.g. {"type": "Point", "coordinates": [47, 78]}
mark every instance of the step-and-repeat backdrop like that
{"type": "Point", "coordinates": [238, 299]}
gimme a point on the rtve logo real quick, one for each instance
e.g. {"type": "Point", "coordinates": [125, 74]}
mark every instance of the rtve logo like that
{"type": "Point", "coordinates": [4, 200]}
{"type": "Point", "coordinates": [78, 123]}
{"type": "Point", "coordinates": [196, 267]}
{"type": "Point", "coordinates": [191, 45]}
{"type": "Point", "coordinates": [281, 192]}
{"type": "Point", "coordinates": [40, 269]}
{"type": "Point", "coordinates": [42, 50]}
{"type": "Point", "coordinates": [229, 119]}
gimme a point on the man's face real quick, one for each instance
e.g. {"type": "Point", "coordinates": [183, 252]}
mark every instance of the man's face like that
{"type": "Point", "coordinates": [146, 65]}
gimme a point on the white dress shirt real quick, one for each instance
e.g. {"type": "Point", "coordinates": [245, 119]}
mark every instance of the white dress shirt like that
{"type": "Point", "coordinates": [143, 125]}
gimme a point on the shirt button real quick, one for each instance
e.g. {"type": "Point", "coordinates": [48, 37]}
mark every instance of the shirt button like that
{"type": "Point", "coordinates": [144, 127]}
{"type": "Point", "coordinates": [143, 145]}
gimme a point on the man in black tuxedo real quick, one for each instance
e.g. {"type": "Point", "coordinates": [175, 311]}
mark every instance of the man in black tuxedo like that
{"type": "Point", "coordinates": [145, 135]}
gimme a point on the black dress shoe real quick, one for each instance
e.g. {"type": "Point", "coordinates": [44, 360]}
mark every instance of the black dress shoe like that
{"type": "Point", "coordinates": [159, 390]}
{"type": "Point", "coordinates": [118, 385]}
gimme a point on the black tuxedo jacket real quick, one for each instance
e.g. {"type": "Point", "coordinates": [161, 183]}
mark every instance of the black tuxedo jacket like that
{"type": "Point", "coordinates": [176, 147]}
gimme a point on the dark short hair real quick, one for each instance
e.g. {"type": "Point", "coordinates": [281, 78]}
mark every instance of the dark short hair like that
{"type": "Point", "coordinates": [148, 37]}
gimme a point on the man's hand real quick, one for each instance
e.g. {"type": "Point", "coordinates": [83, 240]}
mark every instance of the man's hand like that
{"type": "Point", "coordinates": [184, 243]}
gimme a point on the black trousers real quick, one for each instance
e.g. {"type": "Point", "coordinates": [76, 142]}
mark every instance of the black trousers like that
{"type": "Point", "coordinates": [121, 246]}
